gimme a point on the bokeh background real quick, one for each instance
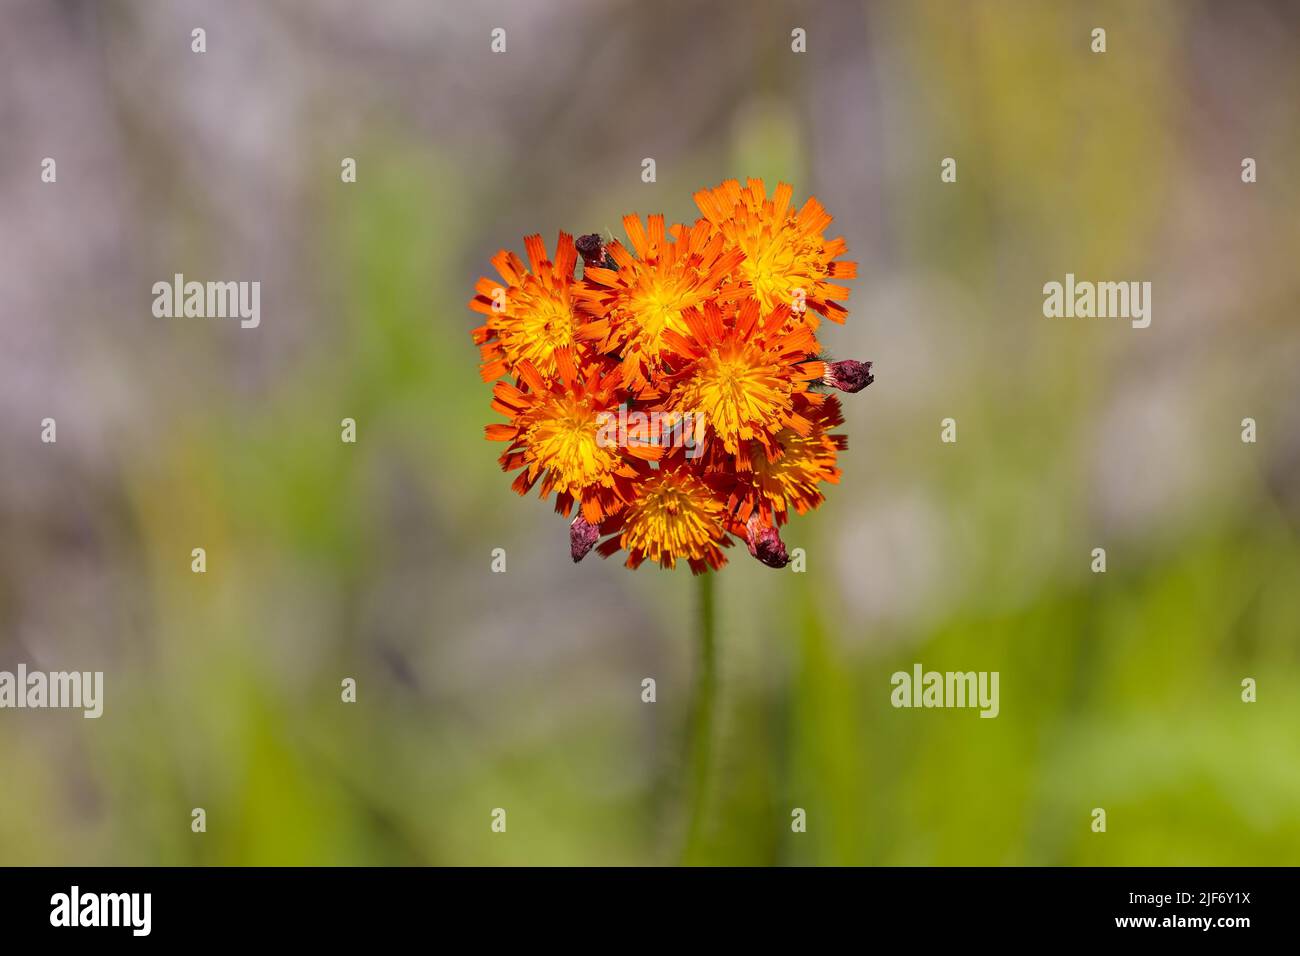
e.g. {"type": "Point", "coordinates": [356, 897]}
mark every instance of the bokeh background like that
{"type": "Point", "coordinates": [522, 690]}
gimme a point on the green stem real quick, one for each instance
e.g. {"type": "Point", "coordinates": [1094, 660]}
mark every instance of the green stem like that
{"type": "Point", "coordinates": [699, 738]}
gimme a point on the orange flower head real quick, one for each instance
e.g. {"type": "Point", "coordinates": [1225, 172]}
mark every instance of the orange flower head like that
{"type": "Point", "coordinates": [789, 473]}
{"type": "Point", "coordinates": [787, 260]}
{"type": "Point", "coordinates": [740, 378]}
{"type": "Point", "coordinates": [638, 303]}
{"type": "Point", "coordinates": [676, 516]}
{"type": "Point", "coordinates": [555, 435]}
{"type": "Point", "coordinates": [531, 313]}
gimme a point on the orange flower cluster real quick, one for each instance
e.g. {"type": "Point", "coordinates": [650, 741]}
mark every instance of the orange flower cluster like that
{"type": "Point", "coordinates": [674, 394]}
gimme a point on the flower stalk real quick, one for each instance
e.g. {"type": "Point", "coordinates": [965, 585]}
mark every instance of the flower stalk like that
{"type": "Point", "coordinates": [699, 738]}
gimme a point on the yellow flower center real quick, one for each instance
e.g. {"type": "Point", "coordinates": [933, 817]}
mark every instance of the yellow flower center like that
{"type": "Point", "coordinates": [563, 437]}
{"type": "Point", "coordinates": [657, 307]}
{"type": "Point", "coordinates": [794, 477]}
{"type": "Point", "coordinates": [676, 516]}
{"type": "Point", "coordinates": [536, 324]}
{"type": "Point", "coordinates": [736, 392]}
{"type": "Point", "coordinates": [776, 264]}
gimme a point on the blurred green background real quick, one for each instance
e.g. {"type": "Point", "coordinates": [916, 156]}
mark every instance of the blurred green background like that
{"type": "Point", "coordinates": [523, 690]}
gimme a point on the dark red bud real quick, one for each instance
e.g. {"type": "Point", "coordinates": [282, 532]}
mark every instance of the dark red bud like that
{"type": "Point", "coordinates": [848, 375]}
{"type": "Point", "coordinates": [592, 249]}
{"type": "Point", "coordinates": [765, 544]}
{"type": "Point", "coordinates": [582, 538]}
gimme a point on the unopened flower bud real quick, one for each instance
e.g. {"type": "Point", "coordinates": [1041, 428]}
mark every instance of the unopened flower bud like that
{"type": "Point", "coordinates": [582, 538]}
{"type": "Point", "coordinates": [848, 375]}
{"type": "Point", "coordinates": [592, 249]}
{"type": "Point", "coordinates": [765, 543]}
